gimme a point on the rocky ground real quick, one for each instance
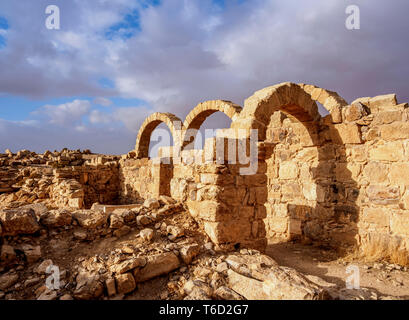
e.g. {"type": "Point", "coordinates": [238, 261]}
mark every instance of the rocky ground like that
{"type": "Point", "coordinates": [157, 251]}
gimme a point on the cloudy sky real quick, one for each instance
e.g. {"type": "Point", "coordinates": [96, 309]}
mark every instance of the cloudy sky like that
{"type": "Point", "coordinates": [113, 62]}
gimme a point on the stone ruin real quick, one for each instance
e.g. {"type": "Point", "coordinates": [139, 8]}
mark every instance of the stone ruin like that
{"type": "Point", "coordinates": [340, 180]}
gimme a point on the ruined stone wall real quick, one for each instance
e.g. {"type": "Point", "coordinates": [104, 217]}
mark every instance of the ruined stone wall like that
{"type": "Point", "coordinates": [66, 182]}
{"type": "Point", "coordinates": [138, 180]}
{"type": "Point", "coordinates": [341, 180]}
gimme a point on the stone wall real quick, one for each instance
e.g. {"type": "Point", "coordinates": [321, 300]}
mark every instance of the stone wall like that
{"type": "Point", "coordinates": [340, 180]}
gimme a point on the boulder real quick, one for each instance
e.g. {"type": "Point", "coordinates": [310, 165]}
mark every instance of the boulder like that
{"type": "Point", "coordinates": [90, 219]}
{"type": "Point", "coordinates": [48, 295]}
{"type": "Point", "coordinates": [88, 286]}
{"type": "Point", "coordinates": [122, 231]}
{"type": "Point", "coordinates": [18, 221]}
{"type": "Point", "coordinates": [56, 218]}
{"type": "Point", "coordinates": [257, 280]}
{"type": "Point", "coordinates": [157, 265]}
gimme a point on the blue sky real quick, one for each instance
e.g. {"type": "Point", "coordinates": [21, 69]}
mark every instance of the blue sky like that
{"type": "Point", "coordinates": [92, 83]}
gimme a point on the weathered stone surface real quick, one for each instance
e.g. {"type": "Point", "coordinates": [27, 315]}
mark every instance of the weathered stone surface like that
{"type": "Point", "coordinates": [147, 234]}
{"type": "Point", "coordinates": [275, 283]}
{"type": "Point", "coordinates": [42, 268]}
{"type": "Point", "coordinates": [125, 283]}
{"type": "Point", "coordinates": [225, 293]}
{"type": "Point", "coordinates": [175, 232]}
{"type": "Point", "coordinates": [7, 280]}
{"type": "Point", "coordinates": [151, 204]}
{"type": "Point", "coordinates": [32, 253]}
{"type": "Point", "coordinates": [88, 286]}
{"type": "Point", "coordinates": [128, 265]}
{"type": "Point", "coordinates": [7, 254]}
{"type": "Point", "coordinates": [110, 285]}
{"type": "Point", "coordinates": [157, 265]}
{"type": "Point", "coordinates": [90, 219]}
{"type": "Point", "coordinates": [18, 221]}
{"type": "Point", "coordinates": [189, 252]}
{"type": "Point", "coordinates": [56, 218]}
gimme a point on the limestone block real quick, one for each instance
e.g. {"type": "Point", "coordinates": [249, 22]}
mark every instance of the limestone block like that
{"type": "Point", "coordinates": [383, 101]}
{"type": "Point", "coordinates": [125, 283]}
{"type": "Point", "coordinates": [378, 216]}
{"type": "Point", "coordinates": [383, 194]}
{"type": "Point", "coordinates": [157, 265]}
{"type": "Point", "coordinates": [346, 133]}
{"type": "Point", "coordinates": [288, 170]}
{"type": "Point", "coordinates": [399, 173]}
{"type": "Point", "coordinates": [395, 131]}
{"type": "Point", "coordinates": [355, 112]}
{"type": "Point", "coordinates": [388, 151]}
{"type": "Point", "coordinates": [376, 172]}
{"type": "Point", "coordinates": [18, 221]}
{"type": "Point", "coordinates": [400, 223]}
{"type": "Point", "coordinates": [277, 224]}
{"type": "Point", "coordinates": [231, 231]}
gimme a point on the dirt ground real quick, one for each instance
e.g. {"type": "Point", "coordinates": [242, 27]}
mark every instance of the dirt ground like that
{"type": "Point", "coordinates": [326, 265]}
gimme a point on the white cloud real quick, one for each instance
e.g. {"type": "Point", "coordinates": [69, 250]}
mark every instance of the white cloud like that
{"type": "Point", "coordinates": [65, 114]}
{"type": "Point", "coordinates": [102, 101]}
{"type": "Point", "coordinates": [191, 51]}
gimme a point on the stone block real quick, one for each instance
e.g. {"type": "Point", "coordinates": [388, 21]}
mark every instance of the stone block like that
{"type": "Point", "coordinates": [388, 151]}
{"type": "Point", "coordinates": [288, 170]}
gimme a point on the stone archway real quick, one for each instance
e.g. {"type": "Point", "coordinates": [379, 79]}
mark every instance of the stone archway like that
{"type": "Point", "coordinates": [149, 125]}
{"type": "Point", "coordinates": [299, 100]}
{"type": "Point", "coordinates": [327, 200]}
{"type": "Point", "coordinates": [201, 112]}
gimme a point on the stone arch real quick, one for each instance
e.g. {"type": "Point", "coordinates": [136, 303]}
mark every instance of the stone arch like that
{"type": "Point", "coordinates": [143, 139]}
{"type": "Point", "coordinates": [297, 100]}
{"type": "Point", "coordinates": [202, 111]}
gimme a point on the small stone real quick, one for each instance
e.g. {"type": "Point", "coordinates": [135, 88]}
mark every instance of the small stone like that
{"type": "Point", "coordinates": [7, 254]}
{"type": "Point", "coordinates": [174, 232]}
{"type": "Point", "coordinates": [7, 280]}
{"type": "Point", "coordinates": [147, 234]}
{"type": "Point", "coordinates": [151, 204]}
{"type": "Point", "coordinates": [125, 283]}
{"type": "Point", "coordinates": [189, 252]}
{"type": "Point", "coordinates": [225, 293]}
{"type": "Point", "coordinates": [222, 267]}
{"type": "Point", "coordinates": [48, 295]}
{"type": "Point", "coordinates": [122, 231]}
{"type": "Point", "coordinates": [143, 220]}
{"type": "Point", "coordinates": [66, 297]}
{"type": "Point", "coordinates": [80, 234]}
{"type": "Point", "coordinates": [42, 268]}
{"type": "Point", "coordinates": [128, 265]}
{"type": "Point", "coordinates": [33, 254]}
{"type": "Point", "coordinates": [110, 284]}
